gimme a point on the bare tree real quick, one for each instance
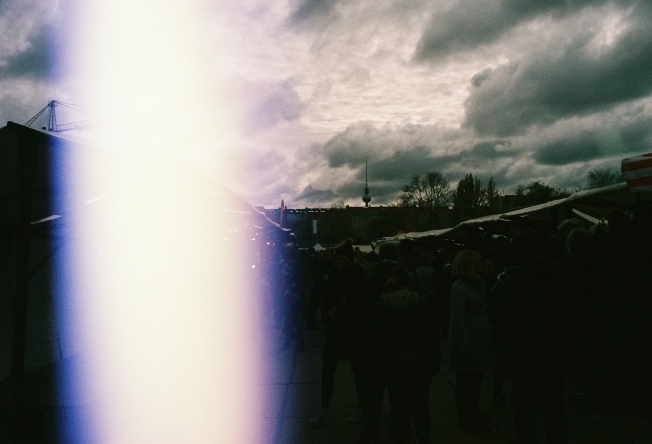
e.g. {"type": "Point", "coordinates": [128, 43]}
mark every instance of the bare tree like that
{"type": "Point", "coordinates": [602, 177]}
{"type": "Point", "coordinates": [492, 196]}
{"type": "Point", "coordinates": [429, 192]}
{"type": "Point", "coordinates": [538, 192]}
{"type": "Point", "coordinates": [469, 197]}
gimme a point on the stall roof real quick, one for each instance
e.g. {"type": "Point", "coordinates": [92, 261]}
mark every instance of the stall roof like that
{"type": "Point", "coordinates": [482, 220]}
{"type": "Point", "coordinates": [51, 153]}
{"type": "Point", "coordinates": [592, 205]}
{"type": "Point", "coordinates": [414, 235]}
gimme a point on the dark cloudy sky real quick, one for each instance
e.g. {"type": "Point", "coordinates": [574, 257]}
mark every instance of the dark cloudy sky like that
{"type": "Point", "coordinates": [296, 93]}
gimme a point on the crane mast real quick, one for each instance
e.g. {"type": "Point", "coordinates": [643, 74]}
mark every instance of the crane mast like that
{"type": "Point", "coordinates": [52, 124]}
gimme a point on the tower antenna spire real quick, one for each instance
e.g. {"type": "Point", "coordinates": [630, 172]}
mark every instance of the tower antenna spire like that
{"type": "Point", "coordinates": [366, 198]}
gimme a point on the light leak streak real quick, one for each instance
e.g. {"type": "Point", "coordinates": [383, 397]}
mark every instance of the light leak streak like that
{"type": "Point", "coordinates": [165, 326]}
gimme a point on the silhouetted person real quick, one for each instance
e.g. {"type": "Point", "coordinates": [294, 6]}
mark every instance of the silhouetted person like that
{"type": "Point", "coordinates": [424, 278]}
{"type": "Point", "coordinates": [361, 261]}
{"type": "Point", "coordinates": [296, 284]}
{"type": "Point", "coordinates": [470, 338]}
{"type": "Point", "coordinates": [411, 355]}
{"type": "Point", "coordinates": [336, 307]}
{"type": "Point", "coordinates": [443, 281]}
{"type": "Point", "coordinates": [367, 351]}
{"type": "Point", "coordinates": [412, 259]}
{"type": "Point", "coordinates": [345, 248]}
{"type": "Point", "coordinates": [276, 283]}
{"type": "Point", "coordinates": [529, 320]}
{"type": "Point", "coordinates": [315, 265]}
{"type": "Point", "coordinates": [491, 268]}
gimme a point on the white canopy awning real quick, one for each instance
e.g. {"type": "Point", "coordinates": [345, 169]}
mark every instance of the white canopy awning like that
{"type": "Point", "coordinates": [593, 206]}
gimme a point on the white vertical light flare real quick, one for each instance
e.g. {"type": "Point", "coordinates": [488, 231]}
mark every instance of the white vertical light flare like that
{"type": "Point", "coordinates": [158, 301]}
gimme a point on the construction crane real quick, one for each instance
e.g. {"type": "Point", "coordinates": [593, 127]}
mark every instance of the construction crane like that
{"type": "Point", "coordinates": [52, 124]}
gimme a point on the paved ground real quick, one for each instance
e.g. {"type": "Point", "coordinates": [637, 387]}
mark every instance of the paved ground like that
{"type": "Point", "coordinates": [293, 393]}
{"type": "Point", "coordinates": [291, 388]}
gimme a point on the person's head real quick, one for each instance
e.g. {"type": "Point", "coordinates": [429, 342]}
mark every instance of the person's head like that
{"type": "Point", "coordinates": [490, 268]}
{"type": "Point", "coordinates": [326, 256]}
{"type": "Point", "coordinates": [400, 277]}
{"type": "Point", "coordinates": [340, 261]}
{"type": "Point", "coordinates": [524, 248]}
{"type": "Point", "coordinates": [580, 246]}
{"type": "Point", "coordinates": [426, 259]}
{"type": "Point", "coordinates": [467, 265]}
{"type": "Point", "coordinates": [568, 225]}
{"type": "Point", "coordinates": [345, 248]}
{"type": "Point", "coordinates": [389, 251]}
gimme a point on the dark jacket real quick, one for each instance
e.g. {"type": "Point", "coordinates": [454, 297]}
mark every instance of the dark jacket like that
{"type": "Point", "coordinates": [470, 332]}
{"type": "Point", "coordinates": [530, 317]}
{"type": "Point", "coordinates": [409, 335]}
{"type": "Point", "coordinates": [337, 309]}
{"type": "Point", "coordinates": [365, 356]}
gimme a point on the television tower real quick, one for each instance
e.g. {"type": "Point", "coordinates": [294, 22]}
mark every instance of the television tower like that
{"type": "Point", "coordinates": [366, 198]}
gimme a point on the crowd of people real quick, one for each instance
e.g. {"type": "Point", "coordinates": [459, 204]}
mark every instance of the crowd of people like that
{"type": "Point", "coordinates": [538, 311]}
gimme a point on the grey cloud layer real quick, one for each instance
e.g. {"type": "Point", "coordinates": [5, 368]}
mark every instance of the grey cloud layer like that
{"type": "Point", "coordinates": [467, 24]}
{"type": "Point", "coordinates": [597, 139]}
{"type": "Point", "coordinates": [420, 150]}
{"type": "Point", "coordinates": [543, 87]}
{"type": "Point", "coordinates": [309, 10]}
{"type": "Point", "coordinates": [32, 59]}
{"type": "Point", "coordinates": [280, 102]}
{"type": "Point", "coordinates": [30, 42]}
{"type": "Point", "coordinates": [560, 155]}
{"type": "Point", "coordinates": [40, 60]}
{"type": "Point", "coordinates": [553, 89]}
{"type": "Point", "coordinates": [313, 194]}
{"type": "Point", "coordinates": [577, 98]}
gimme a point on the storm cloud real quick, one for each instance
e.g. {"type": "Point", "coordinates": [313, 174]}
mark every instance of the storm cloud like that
{"type": "Point", "coordinates": [466, 25]}
{"type": "Point", "coordinates": [326, 94]}
{"type": "Point", "coordinates": [581, 76]}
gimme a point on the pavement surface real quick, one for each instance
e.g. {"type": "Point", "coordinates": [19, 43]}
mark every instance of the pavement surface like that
{"type": "Point", "coordinates": [291, 396]}
{"type": "Point", "coordinates": [293, 393]}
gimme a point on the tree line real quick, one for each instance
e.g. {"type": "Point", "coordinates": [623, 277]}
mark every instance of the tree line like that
{"type": "Point", "coordinates": [432, 193]}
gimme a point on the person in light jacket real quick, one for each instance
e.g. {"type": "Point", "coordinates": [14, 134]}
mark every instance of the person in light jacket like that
{"type": "Point", "coordinates": [470, 338]}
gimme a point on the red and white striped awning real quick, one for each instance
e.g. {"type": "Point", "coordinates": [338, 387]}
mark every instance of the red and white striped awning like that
{"type": "Point", "coordinates": [638, 172]}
